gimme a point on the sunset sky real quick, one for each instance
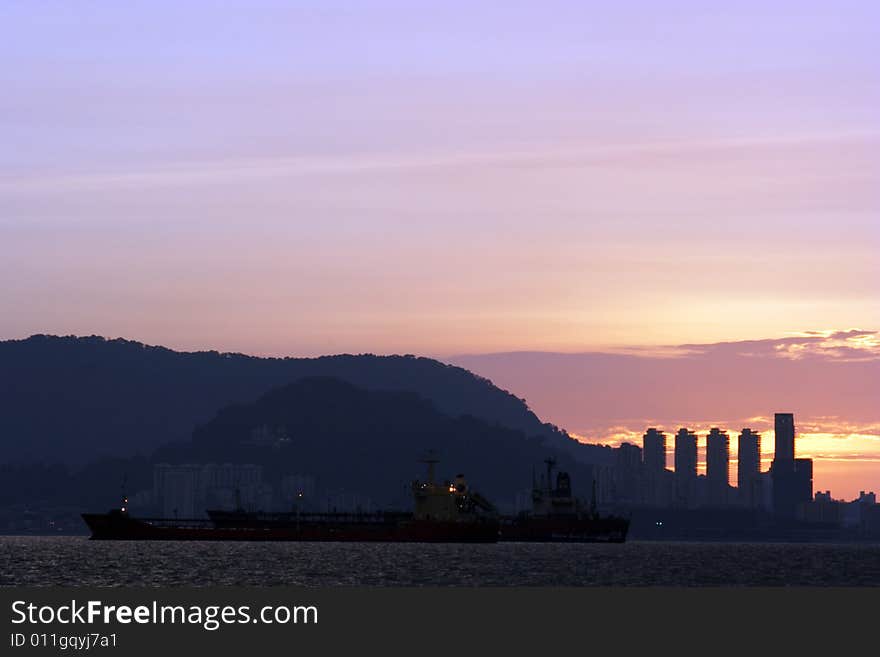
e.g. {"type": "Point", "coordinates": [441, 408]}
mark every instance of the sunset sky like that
{"type": "Point", "coordinates": [829, 380]}
{"type": "Point", "coordinates": [455, 179]}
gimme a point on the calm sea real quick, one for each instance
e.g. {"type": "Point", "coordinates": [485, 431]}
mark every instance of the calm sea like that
{"type": "Point", "coordinates": [76, 561]}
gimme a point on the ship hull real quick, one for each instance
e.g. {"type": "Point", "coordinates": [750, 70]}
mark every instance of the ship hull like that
{"type": "Point", "coordinates": [565, 529]}
{"type": "Point", "coordinates": [109, 526]}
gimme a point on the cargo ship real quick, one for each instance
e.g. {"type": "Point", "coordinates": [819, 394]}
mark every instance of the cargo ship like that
{"type": "Point", "coordinates": [557, 516]}
{"type": "Point", "coordinates": [442, 512]}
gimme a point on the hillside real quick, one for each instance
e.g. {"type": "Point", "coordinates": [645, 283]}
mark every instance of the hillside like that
{"type": "Point", "coordinates": [74, 399]}
{"type": "Point", "coordinates": [366, 441]}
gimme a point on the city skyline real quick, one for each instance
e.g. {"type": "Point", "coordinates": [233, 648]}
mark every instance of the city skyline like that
{"type": "Point", "coordinates": [787, 484]}
{"type": "Point", "coordinates": [829, 379]}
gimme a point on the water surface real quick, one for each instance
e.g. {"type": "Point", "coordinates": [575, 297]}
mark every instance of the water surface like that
{"type": "Point", "coordinates": [76, 561]}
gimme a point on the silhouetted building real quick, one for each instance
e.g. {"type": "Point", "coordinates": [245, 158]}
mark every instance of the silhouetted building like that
{"type": "Point", "coordinates": [784, 498]}
{"type": "Point", "coordinates": [748, 470]}
{"type": "Point", "coordinates": [870, 521]}
{"type": "Point", "coordinates": [766, 488]}
{"type": "Point", "coordinates": [654, 446]}
{"type": "Point", "coordinates": [685, 467]}
{"type": "Point", "coordinates": [628, 474]}
{"type": "Point", "coordinates": [792, 478]}
{"type": "Point", "coordinates": [659, 484]}
{"type": "Point", "coordinates": [717, 466]}
{"type": "Point", "coordinates": [803, 481]}
{"type": "Point", "coordinates": [863, 515]}
{"type": "Point", "coordinates": [784, 427]}
{"type": "Point", "coordinates": [792, 485]}
{"type": "Point", "coordinates": [602, 478]}
{"type": "Point", "coordinates": [185, 490]}
{"type": "Point", "coordinates": [823, 509]}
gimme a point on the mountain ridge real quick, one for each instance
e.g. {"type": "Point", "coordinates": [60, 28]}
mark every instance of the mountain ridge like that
{"type": "Point", "coordinates": [369, 441]}
{"type": "Point", "coordinates": [73, 399]}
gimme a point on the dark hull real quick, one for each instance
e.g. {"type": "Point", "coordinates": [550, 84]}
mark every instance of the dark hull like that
{"type": "Point", "coordinates": [110, 526]}
{"type": "Point", "coordinates": [564, 529]}
{"type": "Point", "coordinates": [287, 520]}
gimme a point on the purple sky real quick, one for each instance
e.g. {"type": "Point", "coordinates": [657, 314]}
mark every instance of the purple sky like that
{"type": "Point", "coordinates": [439, 178]}
{"type": "Point", "coordinates": [471, 177]}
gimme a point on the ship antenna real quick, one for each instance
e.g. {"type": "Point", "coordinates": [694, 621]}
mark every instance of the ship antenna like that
{"type": "Point", "coordinates": [431, 460]}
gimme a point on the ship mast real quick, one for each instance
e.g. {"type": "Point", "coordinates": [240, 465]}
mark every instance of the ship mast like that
{"type": "Point", "coordinates": [551, 463]}
{"type": "Point", "coordinates": [430, 459]}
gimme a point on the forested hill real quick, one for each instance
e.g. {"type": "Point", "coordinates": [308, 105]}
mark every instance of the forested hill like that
{"type": "Point", "coordinates": [74, 399]}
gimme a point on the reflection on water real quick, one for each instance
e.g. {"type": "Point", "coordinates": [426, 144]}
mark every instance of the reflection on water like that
{"type": "Point", "coordinates": [77, 561]}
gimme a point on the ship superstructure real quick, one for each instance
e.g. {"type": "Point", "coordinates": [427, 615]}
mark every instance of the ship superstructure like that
{"type": "Point", "coordinates": [558, 516]}
{"type": "Point", "coordinates": [450, 501]}
{"type": "Point", "coordinates": [549, 500]}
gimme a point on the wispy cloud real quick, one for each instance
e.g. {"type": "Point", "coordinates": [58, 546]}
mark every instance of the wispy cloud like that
{"type": "Point", "coordinates": [239, 168]}
{"type": "Point", "coordinates": [833, 345]}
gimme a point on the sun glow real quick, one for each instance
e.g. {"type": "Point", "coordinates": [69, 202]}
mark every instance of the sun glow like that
{"type": "Point", "coordinates": [842, 454]}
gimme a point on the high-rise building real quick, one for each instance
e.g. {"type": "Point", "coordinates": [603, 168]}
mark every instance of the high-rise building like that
{"type": "Point", "coordinates": [658, 480]}
{"type": "Point", "coordinates": [784, 427]}
{"type": "Point", "coordinates": [792, 478]}
{"type": "Point", "coordinates": [748, 470]}
{"type": "Point", "coordinates": [717, 466]}
{"type": "Point", "coordinates": [685, 467]}
{"type": "Point", "coordinates": [686, 453]}
{"type": "Point", "coordinates": [654, 450]}
{"type": "Point", "coordinates": [803, 482]}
